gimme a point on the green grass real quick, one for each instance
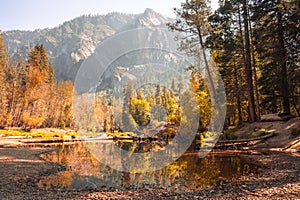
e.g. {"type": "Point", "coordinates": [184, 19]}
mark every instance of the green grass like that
{"type": "Point", "coordinates": [20, 132]}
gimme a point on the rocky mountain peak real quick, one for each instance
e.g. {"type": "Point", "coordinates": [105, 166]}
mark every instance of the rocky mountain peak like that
{"type": "Point", "coordinates": [151, 18]}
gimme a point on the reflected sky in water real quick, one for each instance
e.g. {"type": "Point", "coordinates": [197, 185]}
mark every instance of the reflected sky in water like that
{"type": "Point", "coordinates": [189, 172]}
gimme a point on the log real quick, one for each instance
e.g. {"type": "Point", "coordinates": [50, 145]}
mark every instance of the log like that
{"type": "Point", "coordinates": [247, 140]}
{"type": "Point", "coordinates": [276, 117]}
{"type": "Point", "coordinates": [270, 118]}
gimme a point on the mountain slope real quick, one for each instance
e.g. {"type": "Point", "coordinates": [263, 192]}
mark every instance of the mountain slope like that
{"type": "Point", "coordinates": [69, 44]}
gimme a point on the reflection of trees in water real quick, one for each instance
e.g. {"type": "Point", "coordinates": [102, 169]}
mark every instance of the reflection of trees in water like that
{"type": "Point", "coordinates": [62, 179]}
{"type": "Point", "coordinates": [142, 146]}
{"type": "Point", "coordinates": [204, 172]}
{"type": "Point", "coordinates": [188, 172]}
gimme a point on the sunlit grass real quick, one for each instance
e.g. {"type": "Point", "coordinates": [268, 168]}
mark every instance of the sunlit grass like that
{"type": "Point", "coordinates": [21, 133]}
{"type": "Point", "coordinates": [122, 134]}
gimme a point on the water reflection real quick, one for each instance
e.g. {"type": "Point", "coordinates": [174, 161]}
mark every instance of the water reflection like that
{"type": "Point", "coordinates": [188, 172]}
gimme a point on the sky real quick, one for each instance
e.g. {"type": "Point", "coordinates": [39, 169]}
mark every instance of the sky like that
{"type": "Point", "coordinates": [39, 14]}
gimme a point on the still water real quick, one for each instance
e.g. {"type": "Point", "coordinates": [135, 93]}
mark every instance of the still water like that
{"type": "Point", "coordinates": [189, 172]}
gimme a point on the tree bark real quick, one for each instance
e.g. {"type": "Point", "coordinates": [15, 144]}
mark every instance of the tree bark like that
{"type": "Point", "coordinates": [210, 80]}
{"type": "Point", "coordinates": [240, 119]}
{"type": "Point", "coordinates": [251, 104]}
{"type": "Point", "coordinates": [238, 98]}
{"type": "Point", "coordinates": [254, 74]}
{"type": "Point", "coordinates": [283, 69]}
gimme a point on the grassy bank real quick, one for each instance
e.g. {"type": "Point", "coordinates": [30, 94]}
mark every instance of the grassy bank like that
{"type": "Point", "coordinates": [43, 133]}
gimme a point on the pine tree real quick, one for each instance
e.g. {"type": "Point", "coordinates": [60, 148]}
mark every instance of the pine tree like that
{"type": "Point", "coordinates": [193, 21]}
{"type": "Point", "coordinates": [227, 49]}
{"type": "Point", "coordinates": [40, 86]}
{"type": "Point", "coordinates": [292, 43]}
{"type": "Point", "coordinates": [248, 65]}
{"type": "Point", "coordinates": [158, 95]}
{"type": "Point", "coordinates": [271, 32]}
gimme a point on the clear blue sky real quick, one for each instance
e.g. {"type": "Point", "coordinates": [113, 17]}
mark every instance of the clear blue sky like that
{"type": "Point", "coordinates": [33, 14]}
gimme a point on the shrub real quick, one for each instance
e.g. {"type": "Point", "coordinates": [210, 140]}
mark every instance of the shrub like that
{"type": "Point", "coordinates": [259, 133]}
{"type": "Point", "coordinates": [262, 132]}
{"type": "Point", "coordinates": [228, 135]}
{"type": "Point", "coordinates": [253, 135]}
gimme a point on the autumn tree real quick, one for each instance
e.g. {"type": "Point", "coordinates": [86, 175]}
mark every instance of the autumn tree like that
{"type": "Point", "coordinates": [128, 123]}
{"type": "Point", "coordinates": [140, 111]}
{"type": "Point", "coordinates": [38, 88]}
{"type": "Point", "coordinates": [29, 95]}
{"type": "Point", "coordinates": [64, 99]}
{"type": "Point", "coordinates": [3, 66]}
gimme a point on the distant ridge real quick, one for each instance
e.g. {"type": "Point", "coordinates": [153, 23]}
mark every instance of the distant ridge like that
{"type": "Point", "coordinates": [73, 41]}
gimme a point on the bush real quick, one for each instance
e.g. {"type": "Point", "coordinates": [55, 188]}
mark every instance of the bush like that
{"type": "Point", "coordinates": [259, 133]}
{"type": "Point", "coordinates": [253, 135]}
{"type": "Point", "coordinates": [228, 135]}
{"type": "Point", "coordinates": [262, 132]}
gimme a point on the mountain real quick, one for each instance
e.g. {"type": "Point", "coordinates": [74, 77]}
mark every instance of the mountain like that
{"type": "Point", "coordinates": [69, 44]}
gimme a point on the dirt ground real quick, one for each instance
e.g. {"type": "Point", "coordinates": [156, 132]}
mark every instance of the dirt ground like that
{"type": "Point", "coordinates": [282, 130]}
{"type": "Point", "coordinates": [21, 168]}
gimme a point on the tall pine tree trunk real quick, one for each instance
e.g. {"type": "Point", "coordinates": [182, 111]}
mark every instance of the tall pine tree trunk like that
{"type": "Point", "coordinates": [254, 73]}
{"type": "Point", "coordinates": [283, 69]}
{"type": "Point", "coordinates": [210, 80]}
{"type": "Point", "coordinates": [235, 70]}
{"type": "Point", "coordinates": [238, 98]}
{"type": "Point", "coordinates": [251, 104]}
{"type": "Point", "coordinates": [256, 87]}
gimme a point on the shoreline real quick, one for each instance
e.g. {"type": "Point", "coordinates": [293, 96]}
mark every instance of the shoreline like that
{"type": "Point", "coordinates": [21, 168]}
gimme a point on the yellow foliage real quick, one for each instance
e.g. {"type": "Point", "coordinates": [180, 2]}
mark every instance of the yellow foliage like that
{"type": "Point", "coordinates": [32, 121]}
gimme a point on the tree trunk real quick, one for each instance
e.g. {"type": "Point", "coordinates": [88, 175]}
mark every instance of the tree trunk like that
{"type": "Point", "coordinates": [235, 70]}
{"type": "Point", "coordinates": [210, 80]}
{"type": "Point", "coordinates": [251, 104]}
{"type": "Point", "coordinates": [256, 88]}
{"type": "Point", "coordinates": [283, 69]}
{"type": "Point", "coordinates": [238, 99]}
{"type": "Point", "coordinates": [236, 75]}
{"type": "Point", "coordinates": [254, 73]}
